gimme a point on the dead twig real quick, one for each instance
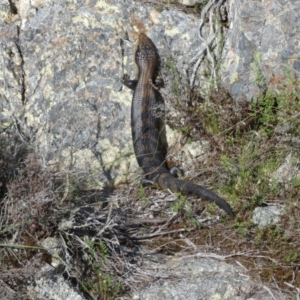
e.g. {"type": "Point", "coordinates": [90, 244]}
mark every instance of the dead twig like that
{"type": "Point", "coordinates": [150, 236]}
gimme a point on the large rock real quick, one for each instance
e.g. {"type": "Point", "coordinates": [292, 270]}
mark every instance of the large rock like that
{"type": "Point", "coordinates": [204, 278]}
{"type": "Point", "coordinates": [49, 285]}
{"type": "Point", "coordinates": [61, 89]}
{"type": "Point", "coordinates": [62, 62]}
{"type": "Point", "coordinates": [262, 49]}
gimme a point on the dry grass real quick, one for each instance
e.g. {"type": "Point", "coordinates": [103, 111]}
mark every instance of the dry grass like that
{"type": "Point", "coordinates": [248, 143]}
{"type": "Point", "coordinates": [101, 247]}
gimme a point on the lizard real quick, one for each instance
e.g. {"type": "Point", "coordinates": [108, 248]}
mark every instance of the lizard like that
{"type": "Point", "coordinates": [146, 129]}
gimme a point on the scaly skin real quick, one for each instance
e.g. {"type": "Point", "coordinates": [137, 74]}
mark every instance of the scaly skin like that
{"type": "Point", "coordinates": [146, 128]}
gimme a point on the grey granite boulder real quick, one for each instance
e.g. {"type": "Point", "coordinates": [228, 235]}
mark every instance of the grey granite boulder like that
{"type": "Point", "coordinates": [262, 49]}
{"type": "Point", "coordinates": [60, 82]}
{"type": "Point", "coordinates": [204, 278]}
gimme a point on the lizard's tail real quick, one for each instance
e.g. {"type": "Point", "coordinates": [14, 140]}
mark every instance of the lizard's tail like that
{"type": "Point", "coordinates": [177, 185]}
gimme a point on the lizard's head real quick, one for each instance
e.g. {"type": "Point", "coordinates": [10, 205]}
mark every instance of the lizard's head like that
{"type": "Point", "coordinates": [146, 53]}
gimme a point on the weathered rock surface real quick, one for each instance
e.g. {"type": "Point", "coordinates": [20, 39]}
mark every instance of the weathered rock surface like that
{"type": "Point", "coordinates": [288, 171]}
{"type": "Point", "coordinates": [204, 278]}
{"type": "Point", "coordinates": [36, 281]}
{"type": "Point", "coordinates": [262, 48]}
{"type": "Point", "coordinates": [266, 216]}
{"type": "Point", "coordinates": [62, 64]}
{"type": "Point", "coordinates": [51, 286]}
{"type": "Point", "coordinates": [198, 276]}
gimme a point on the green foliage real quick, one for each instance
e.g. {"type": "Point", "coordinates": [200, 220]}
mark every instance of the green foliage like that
{"type": "Point", "coordinates": [103, 249]}
{"type": "Point", "coordinates": [211, 208]}
{"type": "Point", "coordinates": [99, 283]}
{"type": "Point", "coordinates": [226, 162]}
{"type": "Point", "coordinates": [292, 256]}
{"type": "Point", "coordinates": [181, 204]}
{"type": "Point", "coordinates": [184, 129]}
{"type": "Point", "coordinates": [290, 76]}
{"type": "Point", "coordinates": [258, 154]}
{"type": "Point", "coordinates": [183, 207]}
{"type": "Point", "coordinates": [142, 194]}
{"type": "Point", "coordinates": [272, 110]}
{"type": "Point", "coordinates": [255, 66]}
{"type": "Point", "coordinates": [203, 3]}
{"type": "Point", "coordinates": [159, 8]}
{"type": "Point", "coordinates": [264, 113]}
{"type": "Point", "coordinates": [211, 120]}
{"type": "Point", "coordinates": [274, 237]}
{"type": "Point", "coordinates": [295, 182]}
{"type": "Point", "coordinates": [249, 174]}
{"type": "Point", "coordinates": [242, 228]}
{"type": "Point", "coordinates": [171, 65]}
{"type": "Point", "coordinates": [190, 140]}
{"type": "Point", "coordinates": [105, 288]}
